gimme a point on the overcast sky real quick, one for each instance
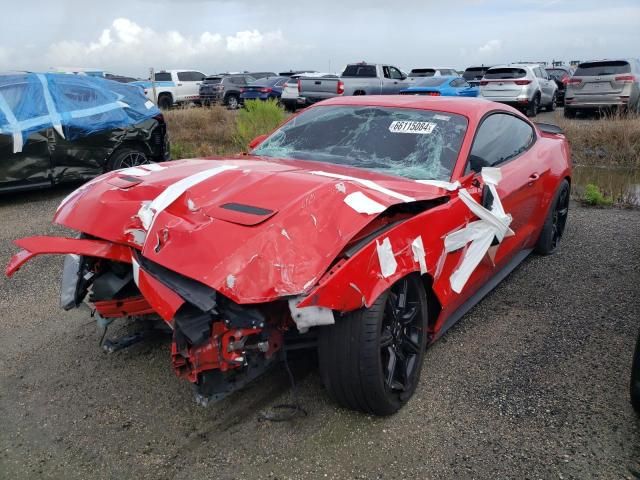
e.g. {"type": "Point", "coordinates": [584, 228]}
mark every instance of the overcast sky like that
{"type": "Point", "coordinates": [129, 36]}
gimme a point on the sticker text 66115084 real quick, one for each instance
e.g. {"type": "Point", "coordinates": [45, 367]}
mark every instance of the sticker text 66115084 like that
{"type": "Point", "coordinates": [423, 128]}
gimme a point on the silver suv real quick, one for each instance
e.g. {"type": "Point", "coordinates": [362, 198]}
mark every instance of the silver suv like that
{"type": "Point", "coordinates": [604, 84]}
{"type": "Point", "coordinates": [524, 86]}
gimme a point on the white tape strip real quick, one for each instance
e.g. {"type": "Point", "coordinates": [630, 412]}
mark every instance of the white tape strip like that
{"type": "Point", "coordinates": [387, 259]}
{"type": "Point", "coordinates": [14, 127]}
{"type": "Point", "coordinates": [419, 255]}
{"type": "Point", "coordinates": [479, 234]}
{"type": "Point", "coordinates": [367, 183]}
{"type": "Point", "coordinates": [149, 210]}
{"type": "Point", "coordinates": [363, 204]}
{"type": "Point", "coordinates": [54, 116]}
{"type": "Point", "coordinates": [309, 316]}
{"type": "Point", "coordinates": [451, 187]}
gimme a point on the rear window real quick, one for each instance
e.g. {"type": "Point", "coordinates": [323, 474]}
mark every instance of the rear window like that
{"type": "Point", "coordinates": [163, 77]}
{"type": "Point", "coordinates": [557, 73]}
{"type": "Point", "coordinates": [416, 144]}
{"type": "Point", "coordinates": [432, 82]}
{"type": "Point", "coordinates": [474, 73]}
{"type": "Point", "coordinates": [505, 73]}
{"type": "Point", "coordinates": [422, 72]}
{"type": "Point", "coordinates": [368, 71]}
{"type": "Point", "coordinates": [210, 80]}
{"type": "Point", "coordinates": [599, 69]}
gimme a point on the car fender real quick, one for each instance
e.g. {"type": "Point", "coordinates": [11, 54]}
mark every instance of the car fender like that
{"type": "Point", "coordinates": [413, 245]}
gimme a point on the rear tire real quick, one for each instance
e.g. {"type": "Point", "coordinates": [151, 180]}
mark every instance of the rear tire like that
{"type": "Point", "coordinates": [554, 103]}
{"type": "Point", "coordinates": [370, 359]}
{"type": "Point", "coordinates": [556, 221]}
{"type": "Point", "coordinates": [534, 106]}
{"type": "Point", "coordinates": [165, 102]}
{"type": "Point", "coordinates": [125, 158]}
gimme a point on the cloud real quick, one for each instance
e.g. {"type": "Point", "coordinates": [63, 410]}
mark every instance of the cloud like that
{"type": "Point", "coordinates": [490, 48]}
{"type": "Point", "coordinates": [135, 47]}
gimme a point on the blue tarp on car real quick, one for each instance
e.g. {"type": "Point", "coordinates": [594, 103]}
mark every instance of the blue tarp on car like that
{"type": "Point", "coordinates": [75, 105]}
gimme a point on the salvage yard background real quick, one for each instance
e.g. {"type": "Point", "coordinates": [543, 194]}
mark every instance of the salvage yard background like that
{"type": "Point", "coordinates": [532, 383]}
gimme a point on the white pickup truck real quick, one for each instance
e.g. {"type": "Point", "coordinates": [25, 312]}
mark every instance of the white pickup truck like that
{"type": "Point", "coordinates": [173, 87]}
{"type": "Point", "coordinates": [357, 79]}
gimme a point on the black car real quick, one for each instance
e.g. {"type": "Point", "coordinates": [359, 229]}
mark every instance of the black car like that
{"type": "Point", "coordinates": [224, 89]}
{"type": "Point", "coordinates": [84, 127]}
{"type": "Point", "coordinates": [561, 75]}
{"type": "Point", "coordinates": [473, 75]}
{"type": "Point", "coordinates": [635, 378]}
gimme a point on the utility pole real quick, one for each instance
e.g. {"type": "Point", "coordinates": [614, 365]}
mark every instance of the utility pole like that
{"type": "Point", "coordinates": [152, 76]}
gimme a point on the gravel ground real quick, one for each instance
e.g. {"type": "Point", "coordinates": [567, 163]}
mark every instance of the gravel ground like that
{"type": "Point", "coordinates": [532, 383]}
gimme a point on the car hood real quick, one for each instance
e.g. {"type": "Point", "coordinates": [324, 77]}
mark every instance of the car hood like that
{"type": "Point", "coordinates": [254, 229]}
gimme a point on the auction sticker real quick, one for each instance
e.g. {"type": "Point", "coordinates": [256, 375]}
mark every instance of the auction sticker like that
{"type": "Point", "coordinates": [422, 128]}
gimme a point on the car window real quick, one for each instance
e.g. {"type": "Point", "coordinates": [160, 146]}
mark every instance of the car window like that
{"type": "Point", "coordinates": [163, 77]}
{"type": "Point", "coordinates": [599, 69]}
{"type": "Point", "coordinates": [557, 73]}
{"type": "Point", "coordinates": [500, 138]}
{"type": "Point", "coordinates": [506, 73]}
{"type": "Point", "coordinates": [431, 82]}
{"type": "Point", "coordinates": [457, 82]}
{"type": "Point", "coordinates": [367, 71]}
{"type": "Point", "coordinates": [395, 73]}
{"type": "Point", "coordinates": [474, 73]}
{"type": "Point", "coordinates": [422, 72]}
{"type": "Point", "coordinates": [417, 144]}
{"type": "Point", "coordinates": [385, 72]}
{"type": "Point", "coordinates": [212, 80]}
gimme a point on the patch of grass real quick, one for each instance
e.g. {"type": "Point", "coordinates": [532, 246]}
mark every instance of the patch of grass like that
{"type": "Point", "coordinates": [613, 140]}
{"type": "Point", "coordinates": [205, 132]}
{"type": "Point", "coordinates": [201, 132]}
{"type": "Point", "coordinates": [256, 118]}
{"type": "Point", "coordinates": [593, 196]}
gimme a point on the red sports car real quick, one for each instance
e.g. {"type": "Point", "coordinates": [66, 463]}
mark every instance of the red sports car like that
{"type": "Point", "coordinates": [363, 227]}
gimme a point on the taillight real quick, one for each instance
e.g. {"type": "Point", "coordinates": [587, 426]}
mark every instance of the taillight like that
{"type": "Point", "coordinates": [522, 82]}
{"type": "Point", "coordinates": [565, 79]}
{"type": "Point", "coordinates": [484, 82]}
{"type": "Point", "coordinates": [242, 90]}
{"type": "Point", "coordinates": [626, 78]}
{"type": "Point", "coordinates": [433, 94]}
{"type": "Point", "coordinates": [265, 90]}
{"type": "Point", "coordinates": [299, 86]}
{"type": "Point", "coordinates": [574, 80]}
{"type": "Point", "coordinates": [340, 87]}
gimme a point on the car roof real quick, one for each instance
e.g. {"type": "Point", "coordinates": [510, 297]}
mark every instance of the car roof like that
{"type": "Point", "coordinates": [473, 108]}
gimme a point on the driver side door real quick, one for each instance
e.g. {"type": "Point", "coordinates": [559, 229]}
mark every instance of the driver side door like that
{"type": "Point", "coordinates": [507, 142]}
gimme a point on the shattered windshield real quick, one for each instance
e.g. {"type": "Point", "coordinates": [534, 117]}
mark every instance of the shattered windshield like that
{"type": "Point", "coordinates": [416, 144]}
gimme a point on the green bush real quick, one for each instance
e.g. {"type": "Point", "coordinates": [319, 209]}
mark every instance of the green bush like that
{"type": "Point", "coordinates": [257, 118]}
{"type": "Point", "coordinates": [593, 196]}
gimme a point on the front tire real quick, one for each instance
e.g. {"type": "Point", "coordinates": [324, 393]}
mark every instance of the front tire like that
{"type": "Point", "coordinates": [232, 102]}
{"type": "Point", "coordinates": [165, 102]}
{"type": "Point", "coordinates": [555, 222]}
{"type": "Point", "coordinates": [370, 359]}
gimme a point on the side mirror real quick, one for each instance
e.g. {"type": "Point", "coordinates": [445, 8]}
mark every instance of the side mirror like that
{"type": "Point", "coordinates": [477, 163]}
{"type": "Point", "coordinates": [257, 141]}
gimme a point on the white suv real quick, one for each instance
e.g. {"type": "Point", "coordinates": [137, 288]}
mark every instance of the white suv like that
{"type": "Point", "coordinates": [523, 86]}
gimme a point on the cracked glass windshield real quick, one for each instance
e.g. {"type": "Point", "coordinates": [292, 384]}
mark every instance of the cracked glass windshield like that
{"type": "Point", "coordinates": [416, 144]}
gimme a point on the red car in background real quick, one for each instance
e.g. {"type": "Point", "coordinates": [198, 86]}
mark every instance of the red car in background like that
{"type": "Point", "coordinates": [363, 227]}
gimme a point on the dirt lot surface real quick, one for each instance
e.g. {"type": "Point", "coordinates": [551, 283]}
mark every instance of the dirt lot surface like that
{"type": "Point", "coordinates": [532, 383]}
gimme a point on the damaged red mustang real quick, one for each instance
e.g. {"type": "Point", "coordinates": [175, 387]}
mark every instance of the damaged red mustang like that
{"type": "Point", "coordinates": [363, 227]}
